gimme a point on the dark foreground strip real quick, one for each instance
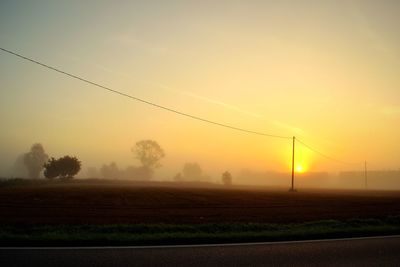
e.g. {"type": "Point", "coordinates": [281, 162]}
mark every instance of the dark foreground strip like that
{"type": "Point", "coordinates": [203, 245]}
{"type": "Point", "coordinates": [187, 234]}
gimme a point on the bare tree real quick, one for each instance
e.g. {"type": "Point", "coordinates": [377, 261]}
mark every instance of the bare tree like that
{"type": "Point", "coordinates": [149, 153]}
{"type": "Point", "coordinates": [34, 160]}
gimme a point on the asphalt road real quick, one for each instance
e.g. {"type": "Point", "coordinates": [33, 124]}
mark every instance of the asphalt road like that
{"type": "Point", "coordinates": [383, 251]}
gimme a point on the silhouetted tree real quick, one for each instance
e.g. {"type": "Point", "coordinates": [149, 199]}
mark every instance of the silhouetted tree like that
{"type": "Point", "coordinates": [34, 160]}
{"type": "Point", "coordinates": [65, 168]}
{"type": "Point", "coordinates": [69, 166]}
{"type": "Point", "coordinates": [51, 169]}
{"type": "Point", "coordinates": [192, 171]}
{"type": "Point", "coordinates": [227, 178]}
{"type": "Point", "coordinates": [149, 153]}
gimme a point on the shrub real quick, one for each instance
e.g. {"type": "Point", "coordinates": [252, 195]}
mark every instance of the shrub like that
{"type": "Point", "coordinates": [65, 167]}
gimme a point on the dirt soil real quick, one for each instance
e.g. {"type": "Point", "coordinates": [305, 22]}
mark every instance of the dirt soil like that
{"type": "Point", "coordinates": [81, 202]}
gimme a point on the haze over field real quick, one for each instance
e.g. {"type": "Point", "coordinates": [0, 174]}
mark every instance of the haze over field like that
{"type": "Point", "coordinates": [324, 71]}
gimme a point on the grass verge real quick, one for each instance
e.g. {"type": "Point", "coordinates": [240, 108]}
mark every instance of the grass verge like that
{"type": "Point", "coordinates": [170, 234]}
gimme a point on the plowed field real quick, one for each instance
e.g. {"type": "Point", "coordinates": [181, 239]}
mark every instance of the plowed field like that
{"type": "Point", "coordinates": [123, 202]}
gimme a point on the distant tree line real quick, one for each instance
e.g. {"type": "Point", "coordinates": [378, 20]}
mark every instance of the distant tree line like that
{"type": "Point", "coordinates": [191, 171]}
{"type": "Point", "coordinates": [112, 171]}
{"type": "Point", "coordinates": [148, 152]}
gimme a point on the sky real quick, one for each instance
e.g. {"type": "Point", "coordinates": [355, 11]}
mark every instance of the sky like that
{"type": "Point", "coordinates": [323, 71]}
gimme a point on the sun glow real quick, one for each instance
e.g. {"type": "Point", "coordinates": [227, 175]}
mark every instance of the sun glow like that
{"type": "Point", "coordinates": [300, 169]}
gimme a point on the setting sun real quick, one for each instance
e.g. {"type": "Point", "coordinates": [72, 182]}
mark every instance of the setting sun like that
{"type": "Point", "coordinates": [300, 169]}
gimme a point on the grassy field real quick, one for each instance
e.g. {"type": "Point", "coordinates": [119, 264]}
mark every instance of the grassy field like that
{"type": "Point", "coordinates": [96, 212]}
{"type": "Point", "coordinates": [172, 234]}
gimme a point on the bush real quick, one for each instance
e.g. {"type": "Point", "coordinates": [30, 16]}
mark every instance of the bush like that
{"type": "Point", "coordinates": [51, 169]}
{"type": "Point", "coordinates": [65, 167]}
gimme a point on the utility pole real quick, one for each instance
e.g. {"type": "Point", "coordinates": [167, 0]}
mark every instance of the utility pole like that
{"type": "Point", "coordinates": [292, 188]}
{"type": "Point", "coordinates": [365, 175]}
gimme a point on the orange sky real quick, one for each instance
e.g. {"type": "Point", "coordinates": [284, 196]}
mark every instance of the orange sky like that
{"type": "Point", "coordinates": [326, 72]}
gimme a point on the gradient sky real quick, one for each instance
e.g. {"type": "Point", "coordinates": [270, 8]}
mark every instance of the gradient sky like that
{"type": "Point", "coordinates": [325, 71]}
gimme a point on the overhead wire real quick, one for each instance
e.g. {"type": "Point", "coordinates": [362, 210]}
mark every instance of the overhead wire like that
{"type": "Point", "coordinates": [142, 100]}
{"type": "Point", "coordinates": [170, 109]}
{"type": "Point", "coordinates": [324, 155]}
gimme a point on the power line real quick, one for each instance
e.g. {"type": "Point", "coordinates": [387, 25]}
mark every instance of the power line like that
{"type": "Point", "coordinates": [142, 100]}
{"type": "Point", "coordinates": [324, 155]}
{"type": "Point", "coordinates": [169, 109]}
